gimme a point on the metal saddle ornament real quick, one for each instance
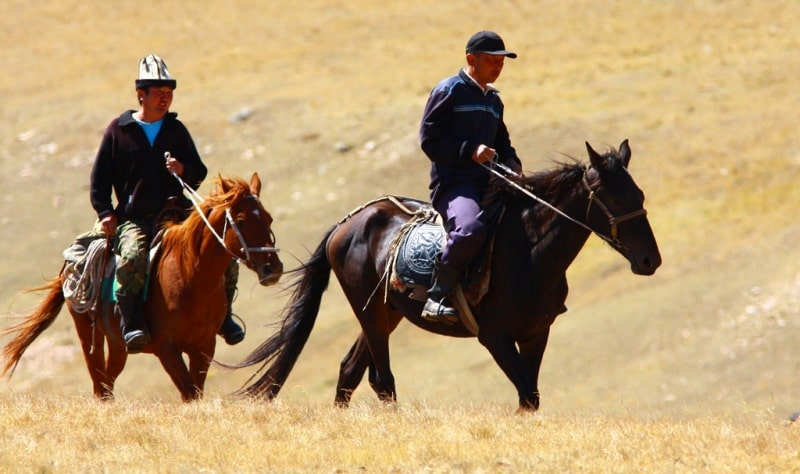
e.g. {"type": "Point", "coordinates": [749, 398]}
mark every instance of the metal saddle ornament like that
{"type": "Point", "coordinates": [415, 257]}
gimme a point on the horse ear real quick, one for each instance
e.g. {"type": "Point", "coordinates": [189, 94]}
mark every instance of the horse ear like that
{"type": "Point", "coordinates": [595, 158]}
{"type": "Point", "coordinates": [223, 184]}
{"type": "Point", "coordinates": [625, 153]}
{"type": "Point", "coordinates": [255, 184]}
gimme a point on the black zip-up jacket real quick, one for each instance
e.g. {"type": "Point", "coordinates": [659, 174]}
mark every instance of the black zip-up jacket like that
{"type": "Point", "coordinates": [136, 171]}
{"type": "Point", "coordinates": [458, 117]}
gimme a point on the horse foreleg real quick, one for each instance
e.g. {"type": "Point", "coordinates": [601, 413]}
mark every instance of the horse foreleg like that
{"type": "Point", "coordinates": [351, 371]}
{"type": "Point", "coordinates": [93, 347]}
{"type": "Point", "coordinates": [532, 352]}
{"type": "Point", "coordinates": [199, 363]}
{"type": "Point", "coordinates": [503, 349]}
{"type": "Point", "coordinates": [173, 363]}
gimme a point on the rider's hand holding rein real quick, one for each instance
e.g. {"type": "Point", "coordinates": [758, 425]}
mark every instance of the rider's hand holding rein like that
{"type": "Point", "coordinates": [109, 224]}
{"type": "Point", "coordinates": [483, 153]}
{"type": "Point", "coordinates": [174, 166]}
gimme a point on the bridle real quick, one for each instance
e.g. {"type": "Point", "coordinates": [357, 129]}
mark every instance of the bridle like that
{"type": "Point", "coordinates": [612, 219]}
{"type": "Point", "coordinates": [592, 197]}
{"type": "Point", "coordinates": [244, 248]}
{"type": "Point", "coordinates": [229, 223]}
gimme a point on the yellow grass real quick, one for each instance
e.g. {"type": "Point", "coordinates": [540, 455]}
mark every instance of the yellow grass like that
{"type": "Point", "coordinates": [69, 434]}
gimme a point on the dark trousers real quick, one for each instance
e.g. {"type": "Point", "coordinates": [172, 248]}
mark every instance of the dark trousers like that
{"type": "Point", "coordinates": [459, 205]}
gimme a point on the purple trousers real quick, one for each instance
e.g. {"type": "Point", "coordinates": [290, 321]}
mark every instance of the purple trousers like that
{"type": "Point", "coordinates": [459, 205]}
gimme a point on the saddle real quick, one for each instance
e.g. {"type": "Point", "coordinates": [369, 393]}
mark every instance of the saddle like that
{"type": "Point", "coordinates": [89, 268]}
{"type": "Point", "coordinates": [80, 261]}
{"type": "Point", "coordinates": [414, 250]}
{"type": "Point", "coordinates": [84, 263]}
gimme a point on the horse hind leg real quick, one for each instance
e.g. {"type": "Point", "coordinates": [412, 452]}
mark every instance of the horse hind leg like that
{"type": "Point", "coordinates": [377, 324]}
{"type": "Point", "coordinates": [93, 346]}
{"type": "Point", "coordinates": [351, 371]}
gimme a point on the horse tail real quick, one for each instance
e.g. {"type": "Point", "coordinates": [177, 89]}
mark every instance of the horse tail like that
{"type": "Point", "coordinates": [33, 325]}
{"type": "Point", "coordinates": [280, 352]}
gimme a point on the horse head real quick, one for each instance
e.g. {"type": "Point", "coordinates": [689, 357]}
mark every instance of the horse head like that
{"type": "Point", "coordinates": [247, 233]}
{"type": "Point", "coordinates": [616, 209]}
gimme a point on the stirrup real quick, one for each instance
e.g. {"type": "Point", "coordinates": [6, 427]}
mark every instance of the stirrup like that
{"type": "Point", "coordinates": [439, 312]}
{"type": "Point", "coordinates": [135, 341]}
{"type": "Point", "coordinates": [231, 332]}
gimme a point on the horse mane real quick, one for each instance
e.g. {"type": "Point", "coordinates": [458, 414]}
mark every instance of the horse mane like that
{"type": "Point", "coordinates": [551, 185]}
{"type": "Point", "coordinates": [184, 238]}
{"type": "Point", "coordinates": [555, 185]}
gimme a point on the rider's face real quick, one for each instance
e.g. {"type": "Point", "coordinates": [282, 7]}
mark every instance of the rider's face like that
{"type": "Point", "coordinates": [157, 100]}
{"type": "Point", "coordinates": [485, 68]}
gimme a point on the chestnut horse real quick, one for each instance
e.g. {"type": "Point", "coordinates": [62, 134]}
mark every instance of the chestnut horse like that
{"type": "Point", "coordinates": [546, 221]}
{"type": "Point", "coordinates": [185, 302]}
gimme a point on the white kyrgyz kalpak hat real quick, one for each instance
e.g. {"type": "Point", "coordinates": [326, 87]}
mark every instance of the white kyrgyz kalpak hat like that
{"type": "Point", "coordinates": [153, 72]}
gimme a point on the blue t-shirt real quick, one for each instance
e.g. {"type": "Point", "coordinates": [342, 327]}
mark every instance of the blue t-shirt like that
{"type": "Point", "coordinates": [151, 129]}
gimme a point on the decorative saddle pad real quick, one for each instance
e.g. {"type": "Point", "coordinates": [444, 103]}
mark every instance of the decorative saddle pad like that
{"type": "Point", "coordinates": [416, 254]}
{"type": "Point", "coordinates": [414, 257]}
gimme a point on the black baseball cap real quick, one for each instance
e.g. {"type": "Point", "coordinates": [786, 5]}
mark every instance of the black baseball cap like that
{"type": "Point", "coordinates": [488, 42]}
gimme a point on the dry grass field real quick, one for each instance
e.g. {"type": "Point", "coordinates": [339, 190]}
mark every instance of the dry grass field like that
{"type": "Point", "coordinates": [693, 369]}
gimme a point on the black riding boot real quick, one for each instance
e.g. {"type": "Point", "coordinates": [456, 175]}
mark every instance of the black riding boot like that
{"type": "Point", "coordinates": [438, 307]}
{"type": "Point", "coordinates": [230, 331]}
{"type": "Point", "coordinates": [131, 322]}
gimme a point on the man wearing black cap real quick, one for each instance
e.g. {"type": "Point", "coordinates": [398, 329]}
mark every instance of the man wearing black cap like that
{"type": "Point", "coordinates": [131, 163]}
{"type": "Point", "coordinates": [462, 128]}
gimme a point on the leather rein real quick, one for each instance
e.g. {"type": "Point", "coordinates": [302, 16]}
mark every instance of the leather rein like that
{"type": "Point", "coordinates": [229, 222]}
{"type": "Point", "coordinates": [592, 197]}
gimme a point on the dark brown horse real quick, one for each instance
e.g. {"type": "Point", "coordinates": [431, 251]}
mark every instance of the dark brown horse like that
{"type": "Point", "coordinates": [186, 299]}
{"type": "Point", "coordinates": [533, 246]}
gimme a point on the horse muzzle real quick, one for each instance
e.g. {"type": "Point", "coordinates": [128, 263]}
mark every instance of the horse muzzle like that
{"type": "Point", "coordinates": [646, 265]}
{"type": "Point", "coordinates": [269, 273]}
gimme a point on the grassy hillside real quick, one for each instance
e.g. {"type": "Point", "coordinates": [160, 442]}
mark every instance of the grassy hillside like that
{"type": "Point", "coordinates": [706, 92]}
